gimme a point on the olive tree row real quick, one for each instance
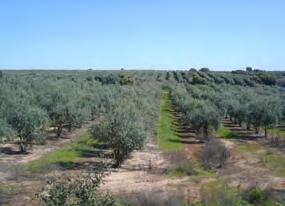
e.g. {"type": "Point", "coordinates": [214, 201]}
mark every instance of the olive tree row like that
{"type": "Point", "coordinates": [205, 106]}
{"type": "Point", "coordinates": [201, 114]}
{"type": "Point", "coordinates": [33, 101]}
{"type": "Point", "coordinates": [129, 120]}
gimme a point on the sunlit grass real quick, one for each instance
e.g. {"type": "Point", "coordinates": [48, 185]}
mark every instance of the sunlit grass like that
{"type": "Point", "coordinates": [278, 132]}
{"type": "Point", "coordinates": [9, 189]}
{"type": "Point", "coordinates": [64, 157]}
{"type": "Point", "coordinates": [247, 148]}
{"type": "Point", "coordinates": [224, 132]}
{"type": "Point", "coordinates": [168, 138]}
{"type": "Point", "coordinates": [275, 163]}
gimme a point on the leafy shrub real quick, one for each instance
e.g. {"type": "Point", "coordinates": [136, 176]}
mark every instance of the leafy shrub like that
{"type": "Point", "coordinates": [77, 191]}
{"type": "Point", "coordinates": [214, 154]}
{"type": "Point", "coordinates": [256, 195]}
{"type": "Point", "coordinates": [180, 166]}
{"type": "Point", "coordinates": [155, 198]}
{"type": "Point", "coordinates": [218, 193]}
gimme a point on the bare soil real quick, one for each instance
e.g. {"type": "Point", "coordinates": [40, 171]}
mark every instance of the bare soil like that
{"type": "Point", "coordinates": [144, 174]}
{"type": "Point", "coordinates": [246, 169]}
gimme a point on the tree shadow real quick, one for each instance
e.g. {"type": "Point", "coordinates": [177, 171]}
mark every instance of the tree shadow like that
{"type": "Point", "coordinates": [85, 165]}
{"type": "Point", "coordinates": [100, 153]}
{"type": "Point", "coordinates": [187, 141]}
{"type": "Point", "coordinates": [11, 151]}
{"type": "Point", "coordinates": [246, 137]}
{"type": "Point", "coordinates": [186, 135]}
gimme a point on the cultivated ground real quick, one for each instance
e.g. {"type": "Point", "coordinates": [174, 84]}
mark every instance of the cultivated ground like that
{"type": "Point", "coordinates": [151, 174]}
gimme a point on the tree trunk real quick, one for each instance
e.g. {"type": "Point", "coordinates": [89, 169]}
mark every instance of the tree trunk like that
{"type": "Point", "coordinates": [59, 130]}
{"type": "Point", "coordinates": [205, 131]}
{"type": "Point", "coordinates": [69, 127]}
{"type": "Point", "coordinates": [248, 126]}
{"type": "Point", "coordinates": [231, 119]}
{"type": "Point", "coordinates": [239, 123]}
{"type": "Point", "coordinates": [23, 148]}
{"type": "Point", "coordinates": [265, 132]}
{"type": "Point", "coordinates": [256, 130]}
{"type": "Point", "coordinates": [118, 157]}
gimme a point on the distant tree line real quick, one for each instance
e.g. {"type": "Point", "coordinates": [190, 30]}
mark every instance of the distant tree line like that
{"type": "Point", "coordinates": [249, 77]}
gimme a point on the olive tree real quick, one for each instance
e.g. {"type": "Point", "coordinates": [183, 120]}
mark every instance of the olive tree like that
{"type": "Point", "coordinates": [65, 107]}
{"type": "Point", "coordinates": [122, 129]}
{"type": "Point", "coordinates": [204, 115]}
{"type": "Point", "coordinates": [271, 112]}
{"type": "Point", "coordinates": [265, 112]}
{"type": "Point", "coordinates": [27, 121]}
{"type": "Point", "coordinates": [6, 131]}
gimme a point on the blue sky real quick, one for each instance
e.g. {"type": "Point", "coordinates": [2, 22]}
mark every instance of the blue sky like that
{"type": "Point", "coordinates": [142, 34]}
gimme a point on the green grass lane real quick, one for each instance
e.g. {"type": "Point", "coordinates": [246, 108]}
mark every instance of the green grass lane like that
{"type": "Point", "coordinates": [63, 158]}
{"type": "Point", "coordinates": [168, 138]}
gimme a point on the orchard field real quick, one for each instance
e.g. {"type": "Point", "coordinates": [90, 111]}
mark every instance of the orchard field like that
{"type": "Point", "coordinates": [96, 138]}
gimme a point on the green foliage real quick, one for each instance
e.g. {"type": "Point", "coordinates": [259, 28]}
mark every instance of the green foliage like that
{"type": "Point", "coordinates": [259, 197]}
{"type": "Point", "coordinates": [75, 191]}
{"type": "Point", "coordinates": [27, 121]}
{"type": "Point", "coordinates": [204, 106]}
{"type": "Point", "coordinates": [239, 72]}
{"type": "Point", "coordinates": [122, 129]}
{"type": "Point", "coordinates": [248, 69]}
{"type": "Point", "coordinates": [204, 115]}
{"type": "Point", "coordinates": [256, 196]}
{"type": "Point", "coordinates": [218, 193]}
{"type": "Point", "coordinates": [198, 80]}
{"type": "Point", "coordinates": [204, 69]}
{"type": "Point", "coordinates": [6, 131]}
{"type": "Point", "coordinates": [197, 111]}
{"type": "Point", "coordinates": [267, 78]}
{"type": "Point", "coordinates": [265, 111]}
{"type": "Point", "coordinates": [31, 101]}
